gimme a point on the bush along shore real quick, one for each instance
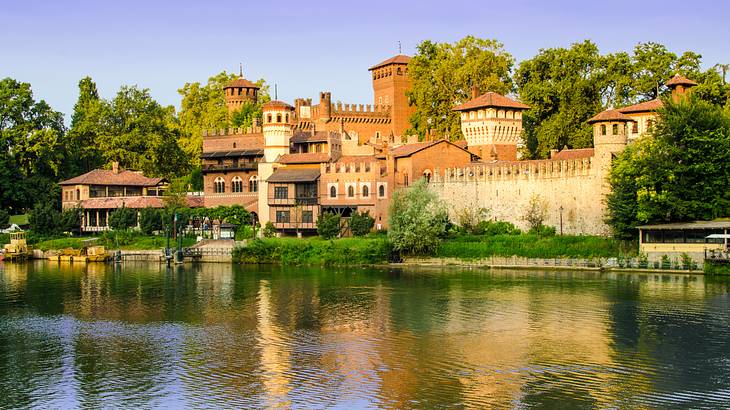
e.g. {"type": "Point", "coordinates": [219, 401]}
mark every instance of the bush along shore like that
{"type": "Point", "coordinates": [316, 251]}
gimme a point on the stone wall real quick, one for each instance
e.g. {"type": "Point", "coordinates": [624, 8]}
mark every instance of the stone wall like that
{"type": "Point", "coordinates": [506, 189]}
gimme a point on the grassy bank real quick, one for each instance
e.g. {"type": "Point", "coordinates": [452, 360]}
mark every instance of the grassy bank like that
{"type": "Point", "coordinates": [124, 241]}
{"type": "Point", "coordinates": [315, 251]}
{"type": "Point", "coordinates": [531, 246]}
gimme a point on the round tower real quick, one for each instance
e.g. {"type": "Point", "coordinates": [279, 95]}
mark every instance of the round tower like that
{"type": "Point", "coordinates": [277, 129]}
{"type": "Point", "coordinates": [239, 91]}
{"type": "Point", "coordinates": [680, 86]}
{"type": "Point", "coordinates": [610, 131]}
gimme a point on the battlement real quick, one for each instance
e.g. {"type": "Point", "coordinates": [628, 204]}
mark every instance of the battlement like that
{"type": "Point", "coordinates": [515, 170]}
{"type": "Point", "coordinates": [361, 109]}
{"type": "Point", "coordinates": [232, 131]}
{"type": "Point", "coordinates": [342, 167]}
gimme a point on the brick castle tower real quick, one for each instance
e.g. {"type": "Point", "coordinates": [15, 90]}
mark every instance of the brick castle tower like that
{"type": "Point", "coordinates": [390, 84]}
{"type": "Point", "coordinates": [239, 91]}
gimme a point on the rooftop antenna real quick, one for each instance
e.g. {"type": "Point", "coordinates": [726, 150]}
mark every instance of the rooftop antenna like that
{"type": "Point", "coordinates": [400, 50]}
{"type": "Point", "coordinates": [240, 69]}
{"type": "Point", "coordinates": [276, 92]}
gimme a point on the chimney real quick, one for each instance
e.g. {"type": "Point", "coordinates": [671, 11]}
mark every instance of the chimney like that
{"type": "Point", "coordinates": [115, 167]}
{"type": "Point", "coordinates": [474, 91]}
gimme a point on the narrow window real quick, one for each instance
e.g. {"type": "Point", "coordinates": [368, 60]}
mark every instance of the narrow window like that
{"type": "Point", "coordinates": [282, 217]}
{"type": "Point", "coordinates": [351, 191]}
{"type": "Point", "coordinates": [603, 129]}
{"type": "Point", "coordinates": [278, 118]}
{"type": "Point", "coordinates": [253, 184]}
{"type": "Point", "coordinates": [614, 130]}
{"type": "Point", "coordinates": [219, 185]}
{"type": "Point", "coordinates": [307, 217]}
{"type": "Point", "coordinates": [281, 192]}
{"type": "Point", "coordinates": [381, 191]}
{"type": "Point", "coordinates": [405, 179]}
{"type": "Point", "coordinates": [365, 191]}
{"type": "Point", "coordinates": [268, 118]}
{"type": "Point", "coordinates": [237, 184]}
{"type": "Point", "coordinates": [333, 192]}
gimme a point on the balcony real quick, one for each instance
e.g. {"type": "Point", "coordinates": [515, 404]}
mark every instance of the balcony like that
{"type": "Point", "coordinates": [241, 166]}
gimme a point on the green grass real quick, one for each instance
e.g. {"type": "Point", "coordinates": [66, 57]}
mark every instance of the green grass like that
{"type": "Point", "coordinates": [126, 242]}
{"type": "Point", "coordinates": [314, 251]}
{"type": "Point", "coordinates": [20, 220]}
{"type": "Point", "coordinates": [531, 246]}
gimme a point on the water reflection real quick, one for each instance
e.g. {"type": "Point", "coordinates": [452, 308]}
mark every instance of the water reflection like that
{"type": "Point", "coordinates": [221, 335]}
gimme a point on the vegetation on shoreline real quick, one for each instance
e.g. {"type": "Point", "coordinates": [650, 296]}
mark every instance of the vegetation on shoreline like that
{"type": "Point", "coordinates": [122, 240]}
{"type": "Point", "coordinates": [315, 251]}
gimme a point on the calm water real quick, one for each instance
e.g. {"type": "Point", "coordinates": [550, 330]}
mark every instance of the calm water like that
{"type": "Point", "coordinates": [225, 336]}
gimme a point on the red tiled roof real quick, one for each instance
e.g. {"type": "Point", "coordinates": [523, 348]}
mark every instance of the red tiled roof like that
{"type": "Point", "coordinates": [491, 99]}
{"type": "Point", "coordinates": [609, 115]}
{"type": "Point", "coordinates": [306, 136]}
{"type": "Point", "coordinates": [304, 158]}
{"type": "Point", "coordinates": [277, 104]}
{"type": "Point", "coordinates": [108, 177]}
{"type": "Point", "coordinates": [461, 143]}
{"type": "Point", "coordinates": [294, 175]}
{"type": "Point", "coordinates": [574, 153]}
{"type": "Point", "coordinates": [410, 149]}
{"type": "Point", "coordinates": [399, 59]}
{"type": "Point", "coordinates": [680, 80]}
{"type": "Point", "coordinates": [645, 106]}
{"type": "Point", "coordinates": [135, 202]}
{"type": "Point", "coordinates": [355, 159]}
{"type": "Point", "coordinates": [242, 83]}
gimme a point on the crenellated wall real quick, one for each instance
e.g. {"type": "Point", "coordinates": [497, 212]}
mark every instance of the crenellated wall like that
{"type": "Point", "coordinates": [571, 188]}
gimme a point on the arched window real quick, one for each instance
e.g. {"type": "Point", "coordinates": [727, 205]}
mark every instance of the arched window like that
{"type": "Point", "coordinates": [351, 191]}
{"type": "Point", "coordinates": [253, 184]}
{"type": "Point", "coordinates": [219, 185]}
{"type": "Point", "coordinates": [381, 191]}
{"type": "Point", "coordinates": [333, 192]}
{"type": "Point", "coordinates": [427, 175]}
{"type": "Point", "coordinates": [234, 145]}
{"type": "Point", "coordinates": [365, 191]}
{"type": "Point", "coordinates": [278, 118]}
{"type": "Point", "coordinates": [268, 119]}
{"type": "Point", "coordinates": [237, 184]}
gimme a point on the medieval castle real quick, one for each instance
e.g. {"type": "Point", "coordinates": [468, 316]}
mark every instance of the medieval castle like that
{"type": "Point", "coordinates": [307, 159]}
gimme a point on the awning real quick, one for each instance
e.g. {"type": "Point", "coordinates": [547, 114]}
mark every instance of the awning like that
{"type": "Point", "coordinates": [294, 175]}
{"type": "Point", "coordinates": [719, 236]}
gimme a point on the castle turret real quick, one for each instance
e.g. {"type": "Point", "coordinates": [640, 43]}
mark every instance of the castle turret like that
{"type": "Point", "coordinates": [277, 129]}
{"type": "Point", "coordinates": [680, 86]}
{"type": "Point", "coordinates": [610, 132]}
{"type": "Point", "coordinates": [239, 91]}
{"type": "Point", "coordinates": [325, 106]}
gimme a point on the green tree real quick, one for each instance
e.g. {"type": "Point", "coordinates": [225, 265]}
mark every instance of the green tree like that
{"type": "Point", "coordinates": [32, 147]}
{"type": "Point", "coordinates": [361, 223]}
{"type": "Point", "coordinates": [443, 74]}
{"type": "Point", "coordinates": [417, 220]}
{"type": "Point", "coordinates": [44, 219]}
{"type": "Point", "coordinates": [86, 125]}
{"type": "Point", "coordinates": [680, 173]}
{"type": "Point", "coordinates": [70, 220]}
{"type": "Point", "coordinates": [329, 225]}
{"type": "Point", "coordinates": [563, 88]}
{"type": "Point", "coordinates": [122, 218]}
{"type": "Point", "coordinates": [4, 218]}
{"type": "Point", "coordinates": [141, 134]}
{"type": "Point", "coordinates": [654, 66]}
{"type": "Point", "coordinates": [150, 220]}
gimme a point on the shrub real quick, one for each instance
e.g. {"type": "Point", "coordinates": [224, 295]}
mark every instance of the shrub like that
{"type": "Point", "coordinates": [150, 220]}
{"type": "Point", "coordinates": [269, 230]}
{"type": "Point", "coordinates": [470, 217]}
{"type": "Point", "coordinates": [70, 220]}
{"type": "Point", "coordinates": [536, 213]}
{"type": "Point", "coordinates": [329, 225]}
{"type": "Point", "coordinates": [122, 218]}
{"type": "Point", "coordinates": [542, 230]}
{"type": "Point", "coordinates": [361, 223]}
{"type": "Point", "coordinates": [417, 221]}
{"type": "Point", "coordinates": [44, 219]}
{"type": "Point", "coordinates": [491, 228]}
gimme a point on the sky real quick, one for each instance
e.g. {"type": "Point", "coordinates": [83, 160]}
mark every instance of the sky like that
{"type": "Point", "coordinates": [305, 47]}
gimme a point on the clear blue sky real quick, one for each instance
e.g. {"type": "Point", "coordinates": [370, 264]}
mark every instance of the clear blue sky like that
{"type": "Point", "coordinates": [309, 46]}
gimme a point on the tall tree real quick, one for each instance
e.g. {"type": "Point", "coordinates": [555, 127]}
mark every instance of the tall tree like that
{"type": "Point", "coordinates": [443, 74]}
{"type": "Point", "coordinates": [564, 88]}
{"type": "Point", "coordinates": [86, 122]}
{"type": "Point", "coordinates": [141, 134]}
{"type": "Point", "coordinates": [31, 147]}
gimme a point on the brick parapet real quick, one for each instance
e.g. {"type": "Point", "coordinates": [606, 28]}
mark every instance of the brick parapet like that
{"type": "Point", "coordinates": [515, 171]}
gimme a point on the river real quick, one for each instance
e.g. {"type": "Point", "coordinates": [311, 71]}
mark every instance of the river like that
{"type": "Point", "coordinates": [218, 335]}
